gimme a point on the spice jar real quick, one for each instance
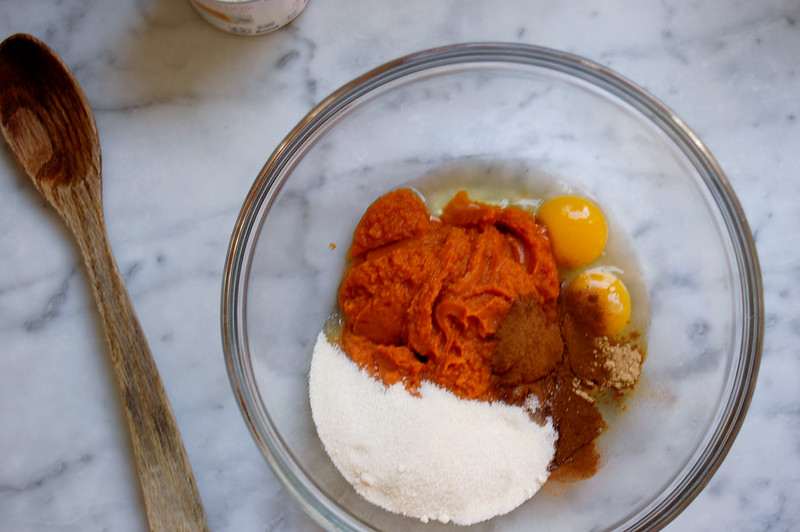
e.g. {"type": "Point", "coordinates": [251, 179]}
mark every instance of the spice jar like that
{"type": "Point", "coordinates": [249, 17]}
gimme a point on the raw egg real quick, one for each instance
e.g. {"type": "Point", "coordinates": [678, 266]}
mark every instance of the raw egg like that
{"type": "Point", "coordinates": [577, 230]}
{"type": "Point", "coordinates": [611, 296]}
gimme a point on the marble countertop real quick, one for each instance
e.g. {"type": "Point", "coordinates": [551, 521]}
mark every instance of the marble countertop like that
{"type": "Point", "coordinates": [188, 114]}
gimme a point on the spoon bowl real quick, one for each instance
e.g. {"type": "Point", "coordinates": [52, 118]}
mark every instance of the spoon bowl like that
{"type": "Point", "coordinates": [50, 129]}
{"type": "Point", "coordinates": [46, 118]}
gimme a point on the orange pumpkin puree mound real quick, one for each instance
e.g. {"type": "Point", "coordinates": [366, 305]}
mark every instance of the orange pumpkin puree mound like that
{"type": "Point", "coordinates": [423, 297]}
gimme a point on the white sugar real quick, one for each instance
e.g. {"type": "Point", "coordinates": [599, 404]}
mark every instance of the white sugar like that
{"type": "Point", "coordinates": [432, 456]}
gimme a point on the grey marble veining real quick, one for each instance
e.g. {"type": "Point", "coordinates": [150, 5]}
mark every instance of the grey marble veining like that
{"type": "Point", "coordinates": [187, 116]}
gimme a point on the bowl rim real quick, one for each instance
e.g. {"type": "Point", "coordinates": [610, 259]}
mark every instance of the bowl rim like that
{"type": "Point", "coordinates": [744, 375]}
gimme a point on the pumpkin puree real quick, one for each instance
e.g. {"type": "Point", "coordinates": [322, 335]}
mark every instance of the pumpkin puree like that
{"type": "Point", "coordinates": [424, 296]}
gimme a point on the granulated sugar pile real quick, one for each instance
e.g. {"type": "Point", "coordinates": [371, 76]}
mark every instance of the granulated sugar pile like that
{"type": "Point", "coordinates": [432, 456]}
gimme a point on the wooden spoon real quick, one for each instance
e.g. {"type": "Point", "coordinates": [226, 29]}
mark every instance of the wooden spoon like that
{"type": "Point", "coordinates": [49, 126]}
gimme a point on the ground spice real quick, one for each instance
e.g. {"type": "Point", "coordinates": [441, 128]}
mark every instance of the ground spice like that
{"type": "Point", "coordinates": [567, 364]}
{"type": "Point", "coordinates": [579, 423]}
{"type": "Point", "coordinates": [623, 362]}
{"type": "Point", "coordinates": [529, 344]}
{"type": "Point", "coordinates": [581, 319]}
{"type": "Point", "coordinates": [599, 362]}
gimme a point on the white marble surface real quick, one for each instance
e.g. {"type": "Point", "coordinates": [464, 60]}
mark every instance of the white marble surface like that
{"type": "Point", "coordinates": [187, 116]}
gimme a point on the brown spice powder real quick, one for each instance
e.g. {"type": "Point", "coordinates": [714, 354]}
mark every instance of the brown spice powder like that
{"type": "Point", "coordinates": [561, 358]}
{"type": "Point", "coordinates": [529, 344]}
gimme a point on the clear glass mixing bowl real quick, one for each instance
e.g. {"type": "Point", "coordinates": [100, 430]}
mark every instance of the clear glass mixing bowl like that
{"type": "Point", "coordinates": [505, 111]}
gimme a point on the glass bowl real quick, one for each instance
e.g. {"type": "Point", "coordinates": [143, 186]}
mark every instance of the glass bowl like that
{"type": "Point", "coordinates": [491, 115]}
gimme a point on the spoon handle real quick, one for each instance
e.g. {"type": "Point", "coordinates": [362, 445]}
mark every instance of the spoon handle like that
{"type": "Point", "coordinates": [170, 493]}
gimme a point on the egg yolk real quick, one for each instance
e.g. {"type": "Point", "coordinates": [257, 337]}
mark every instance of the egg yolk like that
{"type": "Point", "coordinates": [577, 230]}
{"type": "Point", "coordinates": [612, 297]}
